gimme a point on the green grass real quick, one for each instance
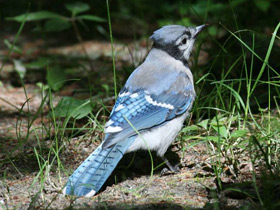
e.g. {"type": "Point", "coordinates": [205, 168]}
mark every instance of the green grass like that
{"type": "Point", "coordinates": [233, 129]}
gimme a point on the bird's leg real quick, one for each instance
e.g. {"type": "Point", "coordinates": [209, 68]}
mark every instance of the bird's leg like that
{"type": "Point", "coordinates": [174, 169]}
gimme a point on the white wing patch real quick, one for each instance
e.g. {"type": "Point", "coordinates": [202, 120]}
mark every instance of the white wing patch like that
{"type": "Point", "coordinates": [112, 129]}
{"type": "Point", "coordinates": [124, 94]}
{"type": "Point", "coordinates": [164, 105]}
{"type": "Point", "coordinates": [110, 122]}
{"type": "Point", "coordinates": [134, 95]}
{"type": "Point", "coordinates": [119, 107]}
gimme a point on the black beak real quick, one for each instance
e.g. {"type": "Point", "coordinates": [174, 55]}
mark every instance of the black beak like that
{"type": "Point", "coordinates": [199, 29]}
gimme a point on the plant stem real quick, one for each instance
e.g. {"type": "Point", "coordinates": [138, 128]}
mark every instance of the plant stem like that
{"type": "Point", "coordinates": [112, 47]}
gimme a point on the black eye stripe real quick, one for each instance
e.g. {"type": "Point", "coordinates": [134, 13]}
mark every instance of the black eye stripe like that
{"type": "Point", "coordinates": [188, 33]}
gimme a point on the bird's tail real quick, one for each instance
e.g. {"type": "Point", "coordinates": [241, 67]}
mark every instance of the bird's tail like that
{"type": "Point", "coordinates": [89, 177]}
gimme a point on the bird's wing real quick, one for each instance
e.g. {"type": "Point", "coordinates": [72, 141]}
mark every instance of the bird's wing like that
{"type": "Point", "coordinates": [139, 110]}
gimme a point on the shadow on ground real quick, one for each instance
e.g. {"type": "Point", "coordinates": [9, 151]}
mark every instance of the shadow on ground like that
{"type": "Point", "coordinates": [124, 206]}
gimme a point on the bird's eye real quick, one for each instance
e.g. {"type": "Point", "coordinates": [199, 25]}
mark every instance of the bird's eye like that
{"type": "Point", "coordinates": [184, 41]}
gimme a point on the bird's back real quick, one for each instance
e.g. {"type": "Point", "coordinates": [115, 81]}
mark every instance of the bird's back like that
{"type": "Point", "coordinates": [159, 73]}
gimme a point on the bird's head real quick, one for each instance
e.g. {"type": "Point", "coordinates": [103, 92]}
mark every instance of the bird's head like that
{"type": "Point", "coordinates": [176, 40]}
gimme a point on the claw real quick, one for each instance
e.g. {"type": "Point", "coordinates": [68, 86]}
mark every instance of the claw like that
{"type": "Point", "coordinates": [174, 169]}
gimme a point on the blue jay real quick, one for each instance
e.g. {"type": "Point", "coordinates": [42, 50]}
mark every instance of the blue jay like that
{"type": "Point", "coordinates": [149, 111]}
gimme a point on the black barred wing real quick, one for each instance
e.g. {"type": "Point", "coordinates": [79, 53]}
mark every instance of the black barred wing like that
{"type": "Point", "coordinates": [140, 110]}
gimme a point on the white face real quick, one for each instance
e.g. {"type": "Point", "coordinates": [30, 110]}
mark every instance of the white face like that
{"type": "Point", "coordinates": [185, 44]}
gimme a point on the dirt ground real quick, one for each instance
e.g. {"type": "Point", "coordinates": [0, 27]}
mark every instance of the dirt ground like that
{"type": "Point", "coordinates": [127, 188]}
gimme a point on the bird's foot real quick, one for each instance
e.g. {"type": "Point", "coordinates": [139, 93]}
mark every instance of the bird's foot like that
{"type": "Point", "coordinates": [167, 171]}
{"type": "Point", "coordinates": [172, 169]}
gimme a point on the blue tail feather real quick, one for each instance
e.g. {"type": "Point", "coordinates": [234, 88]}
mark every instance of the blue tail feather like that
{"type": "Point", "coordinates": [90, 176]}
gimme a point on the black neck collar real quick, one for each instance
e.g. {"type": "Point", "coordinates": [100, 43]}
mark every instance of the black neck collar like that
{"type": "Point", "coordinates": [172, 51]}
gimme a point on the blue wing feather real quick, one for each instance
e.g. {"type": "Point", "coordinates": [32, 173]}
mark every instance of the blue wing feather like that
{"type": "Point", "coordinates": [143, 114]}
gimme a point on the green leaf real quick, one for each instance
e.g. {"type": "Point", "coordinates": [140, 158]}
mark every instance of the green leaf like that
{"type": "Point", "coordinates": [35, 16]}
{"type": "Point", "coordinates": [215, 8]}
{"type": "Point", "coordinates": [71, 107]}
{"type": "Point", "coordinates": [56, 78]}
{"type": "Point", "coordinates": [38, 64]}
{"type": "Point", "coordinates": [219, 120]}
{"type": "Point", "coordinates": [239, 133]}
{"type": "Point", "coordinates": [77, 7]}
{"type": "Point", "coordinates": [204, 124]}
{"type": "Point", "coordinates": [20, 69]}
{"type": "Point", "coordinates": [262, 5]}
{"type": "Point", "coordinates": [211, 138]}
{"type": "Point", "coordinates": [222, 130]}
{"type": "Point", "coordinates": [91, 18]}
{"type": "Point", "coordinates": [56, 24]}
{"type": "Point", "coordinates": [190, 128]}
{"type": "Point", "coordinates": [11, 46]}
